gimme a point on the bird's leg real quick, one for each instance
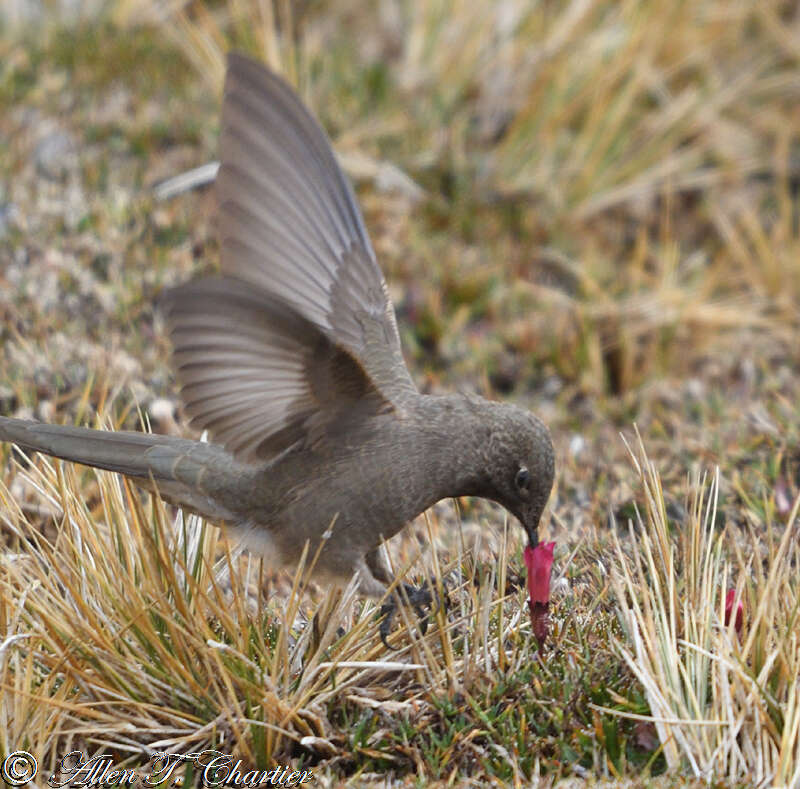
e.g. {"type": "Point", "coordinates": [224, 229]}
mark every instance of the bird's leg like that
{"type": "Point", "coordinates": [419, 598]}
{"type": "Point", "coordinates": [416, 597]}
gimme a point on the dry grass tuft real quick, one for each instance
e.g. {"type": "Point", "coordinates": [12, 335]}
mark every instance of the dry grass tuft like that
{"type": "Point", "coordinates": [725, 705]}
{"type": "Point", "coordinates": [129, 632]}
{"type": "Point", "coordinates": [592, 128]}
{"type": "Point", "coordinates": [132, 631]}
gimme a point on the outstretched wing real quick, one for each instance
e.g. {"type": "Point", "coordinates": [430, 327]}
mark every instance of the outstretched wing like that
{"type": "Point", "coordinates": [289, 224]}
{"type": "Point", "coordinates": [299, 338]}
{"type": "Point", "coordinates": [257, 374]}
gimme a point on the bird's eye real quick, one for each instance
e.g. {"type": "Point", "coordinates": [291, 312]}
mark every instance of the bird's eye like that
{"type": "Point", "coordinates": [523, 479]}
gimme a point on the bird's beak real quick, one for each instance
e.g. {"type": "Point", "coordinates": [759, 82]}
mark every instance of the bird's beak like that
{"type": "Point", "coordinates": [531, 526]}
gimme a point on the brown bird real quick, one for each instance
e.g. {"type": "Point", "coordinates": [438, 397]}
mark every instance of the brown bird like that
{"type": "Point", "coordinates": [292, 361]}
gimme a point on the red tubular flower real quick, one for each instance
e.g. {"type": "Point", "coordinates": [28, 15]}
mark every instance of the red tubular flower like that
{"type": "Point", "coordinates": [539, 561]}
{"type": "Point", "coordinates": [732, 603]}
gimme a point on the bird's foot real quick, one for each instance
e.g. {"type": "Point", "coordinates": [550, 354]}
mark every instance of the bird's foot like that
{"type": "Point", "coordinates": [420, 598]}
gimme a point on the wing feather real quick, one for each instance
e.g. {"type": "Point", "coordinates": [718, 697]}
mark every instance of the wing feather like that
{"type": "Point", "coordinates": [299, 336]}
{"type": "Point", "coordinates": [257, 374]}
{"type": "Point", "coordinates": [290, 224]}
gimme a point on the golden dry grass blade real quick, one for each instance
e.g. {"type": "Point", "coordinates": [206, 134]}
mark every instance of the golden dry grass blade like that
{"type": "Point", "coordinates": [137, 627]}
{"type": "Point", "coordinates": [721, 707]}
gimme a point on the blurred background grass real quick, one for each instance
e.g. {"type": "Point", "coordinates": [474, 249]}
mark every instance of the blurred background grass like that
{"type": "Point", "coordinates": [588, 207]}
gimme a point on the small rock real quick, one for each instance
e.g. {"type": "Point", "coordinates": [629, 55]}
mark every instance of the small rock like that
{"type": "Point", "coordinates": [8, 217]}
{"type": "Point", "coordinates": [695, 389]}
{"type": "Point", "coordinates": [576, 445]}
{"type": "Point", "coordinates": [45, 411]}
{"type": "Point", "coordinates": [162, 415]}
{"type": "Point", "coordinates": [552, 386]}
{"type": "Point", "coordinates": [319, 745]}
{"type": "Point", "coordinates": [53, 154]}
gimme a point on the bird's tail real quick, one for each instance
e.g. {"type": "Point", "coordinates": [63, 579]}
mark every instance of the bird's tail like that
{"type": "Point", "coordinates": [178, 467]}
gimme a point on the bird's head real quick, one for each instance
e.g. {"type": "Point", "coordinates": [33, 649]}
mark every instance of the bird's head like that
{"type": "Point", "coordinates": [518, 463]}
